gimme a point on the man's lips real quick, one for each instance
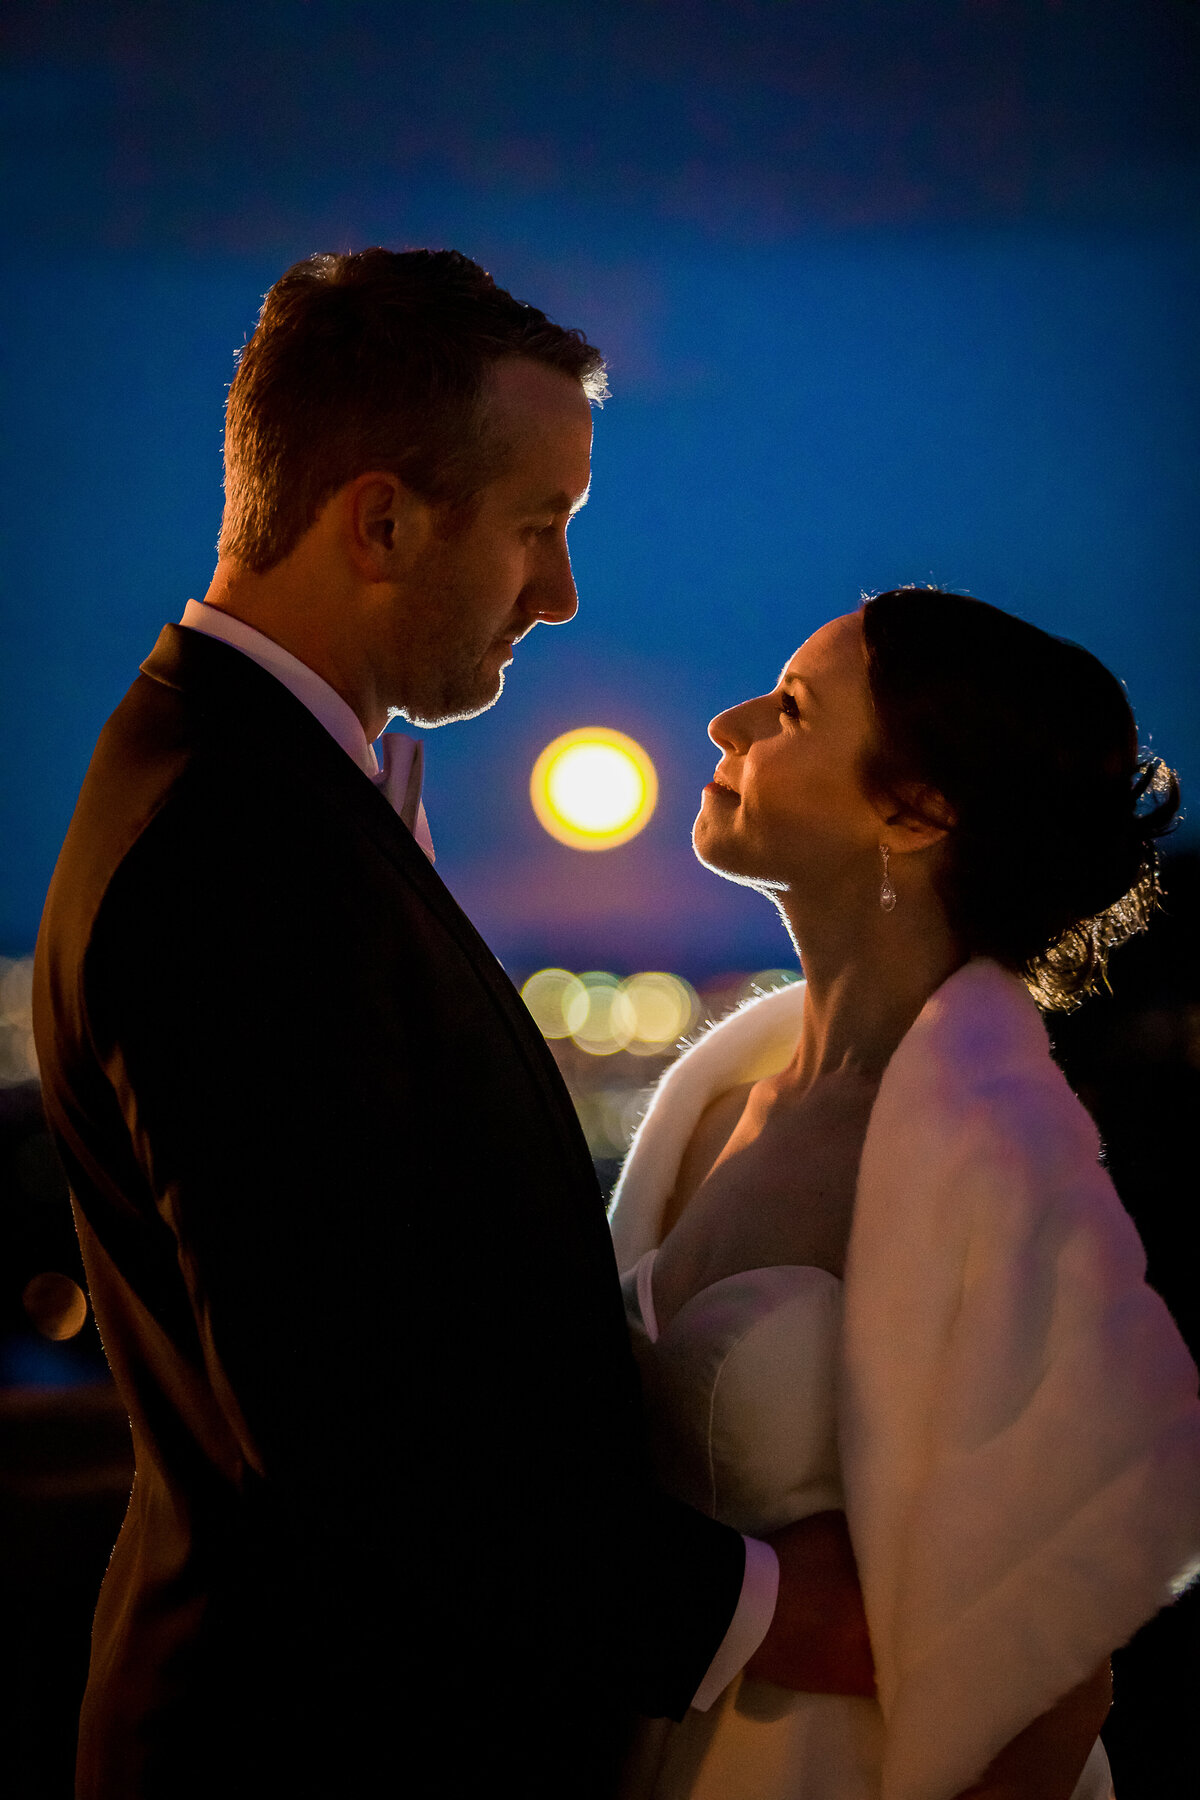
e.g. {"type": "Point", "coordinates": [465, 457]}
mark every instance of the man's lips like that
{"type": "Point", "coordinates": [722, 788]}
{"type": "Point", "coordinates": [508, 640]}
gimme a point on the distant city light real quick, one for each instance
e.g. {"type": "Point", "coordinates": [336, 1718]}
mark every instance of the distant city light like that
{"type": "Point", "coordinates": [593, 788]}
{"type": "Point", "coordinates": [767, 980]}
{"type": "Point", "coordinates": [18, 1058]}
{"type": "Point", "coordinates": [664, 1008]}
{"type": "Point", "coordinates": [558, 1001]}
{"type": "Point", "coordinates": [645, 1014]}
{"type": "Point", "coordinates": [610, 1021]}
{"type": "Point", "coordinates": [612, 1037]}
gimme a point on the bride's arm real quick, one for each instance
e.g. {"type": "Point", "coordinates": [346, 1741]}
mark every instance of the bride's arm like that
{"type": "Point", "coordinates": [1046, 1760]}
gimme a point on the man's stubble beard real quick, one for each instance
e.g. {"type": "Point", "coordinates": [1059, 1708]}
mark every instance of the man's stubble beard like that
{"type": "Point", "coordinates": [454, 702]}
{"type": "Point", "coordinates": [455, 684]}
{"type": "Point", "coordinates": [450, 682]}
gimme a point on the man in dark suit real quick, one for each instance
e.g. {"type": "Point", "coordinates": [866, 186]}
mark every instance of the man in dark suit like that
{"type": "Point", "coordinates": [391, 1522]}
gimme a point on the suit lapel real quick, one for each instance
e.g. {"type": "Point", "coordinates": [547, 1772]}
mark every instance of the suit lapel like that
{"type": "Point", "coordinates": [254, 714]}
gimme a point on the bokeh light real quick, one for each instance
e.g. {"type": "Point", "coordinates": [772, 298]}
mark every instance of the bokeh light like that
{"type": "Point", "coordinates": [610, 1116]}
{"type": "Point", "coordinates": [55, 1305]}
{"type": "Point", "coordinates": [610, 1020]}
{"type": "Point", "coordinates": [645, 1014]}
{"type": "Point", "coordinates": [766, 981]}
{"type": "Point", "coordinates": [558, 1001]}
{"type": "Point", "coordinates": [664, 1008]}
{"type": "Point", "coordinates": [18, 1058]}
{"type": "Point", "coordinates": [593, 788]}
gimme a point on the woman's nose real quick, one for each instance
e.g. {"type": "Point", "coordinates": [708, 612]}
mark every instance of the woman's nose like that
{"type": "Point", "coordinates": [728, 730]}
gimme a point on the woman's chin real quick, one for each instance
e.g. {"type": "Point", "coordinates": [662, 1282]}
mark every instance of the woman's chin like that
{"type": "Point", "coordinates": [717, 852]}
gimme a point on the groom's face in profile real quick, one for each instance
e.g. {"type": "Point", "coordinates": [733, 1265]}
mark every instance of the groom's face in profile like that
{"type": "Point", "coordinates": [486, 578]}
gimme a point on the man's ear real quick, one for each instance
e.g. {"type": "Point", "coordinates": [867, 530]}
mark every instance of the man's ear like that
{"type": "Point", "coordinates": [916, 819]}
{"type": "Point", "coordinates": [385, 524]}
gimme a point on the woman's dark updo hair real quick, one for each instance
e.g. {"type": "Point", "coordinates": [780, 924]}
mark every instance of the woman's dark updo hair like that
{"type": "Point", "coordinates": [1031, 743]}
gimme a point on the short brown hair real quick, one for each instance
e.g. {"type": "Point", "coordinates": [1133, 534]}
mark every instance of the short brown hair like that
{"type": "Point", "coordinates": [1051, 860]}
{"type": "Point", "coordinates": [376, 359]}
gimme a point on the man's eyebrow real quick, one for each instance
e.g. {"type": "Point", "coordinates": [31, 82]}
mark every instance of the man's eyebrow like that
{"type": "Point", "coordinates": [563, 503]}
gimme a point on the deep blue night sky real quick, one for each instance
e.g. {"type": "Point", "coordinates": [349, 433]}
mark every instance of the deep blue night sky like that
{"type": "Point", "coordinates": [891, 292]}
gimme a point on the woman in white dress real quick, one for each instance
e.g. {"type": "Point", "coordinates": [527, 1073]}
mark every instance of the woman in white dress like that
{"type": "Point", "coordinates": [871, 1260]}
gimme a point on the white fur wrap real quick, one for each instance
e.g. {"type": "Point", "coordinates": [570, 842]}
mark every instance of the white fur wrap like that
{"type": "Point", "coordinates": [1018, 1418]}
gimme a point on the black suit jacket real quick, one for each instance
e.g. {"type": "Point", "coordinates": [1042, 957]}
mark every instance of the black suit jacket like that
{"type": "Point", "coordinates": [350, 1263]}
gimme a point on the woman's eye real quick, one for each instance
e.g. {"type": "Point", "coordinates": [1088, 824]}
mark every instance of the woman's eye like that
{"type": "Point", "coordinates": [788, 705]}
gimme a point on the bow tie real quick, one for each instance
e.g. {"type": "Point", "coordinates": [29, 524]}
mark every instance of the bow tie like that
{"type": "Point", "coordinates": [401, 771]}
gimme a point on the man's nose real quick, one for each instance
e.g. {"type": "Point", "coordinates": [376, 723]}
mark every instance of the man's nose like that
{"type": "Point", "coordinates": [554, 593]}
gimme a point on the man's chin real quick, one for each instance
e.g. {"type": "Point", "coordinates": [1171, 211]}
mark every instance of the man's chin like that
{"type": "Point", "coordinates": [460, 703]}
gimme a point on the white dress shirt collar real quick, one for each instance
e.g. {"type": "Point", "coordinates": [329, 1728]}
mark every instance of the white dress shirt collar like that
{"type": "Point", "coordinates": [400, 776]}
{"type": "Point", "coordinates": [312, 691]}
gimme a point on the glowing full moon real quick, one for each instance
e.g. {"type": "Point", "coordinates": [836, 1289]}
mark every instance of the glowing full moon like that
{"type": "Point", "coordinates": [593, 788]}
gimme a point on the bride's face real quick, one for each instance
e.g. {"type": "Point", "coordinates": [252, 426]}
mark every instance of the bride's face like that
{"type": "Point", "coordinates": [787, 808]}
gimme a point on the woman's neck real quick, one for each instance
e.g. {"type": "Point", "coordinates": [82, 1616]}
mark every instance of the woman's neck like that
{"type": "Point", "coordinates": [867, 979]}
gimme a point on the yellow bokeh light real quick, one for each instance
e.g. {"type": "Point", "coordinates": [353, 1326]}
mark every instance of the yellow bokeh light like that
{"type": "Point", "coordinates": [593, 788]}
{"type": "Point", "coordinates": [664, 1007]}
{"type": "Point", "coordinates": [609, 1022]}
{"type": "Point", "coordinates": [645, 1014]}
{"type": "Point", "coordinates": [558, 1001]}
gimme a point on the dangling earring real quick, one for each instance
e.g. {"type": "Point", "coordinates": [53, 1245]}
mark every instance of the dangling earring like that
{"type": "Point", "coordinates": [887, 893]}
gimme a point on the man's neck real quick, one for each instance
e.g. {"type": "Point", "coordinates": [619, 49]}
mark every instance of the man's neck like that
{"type": "Point", "coordinates": [294, 606]}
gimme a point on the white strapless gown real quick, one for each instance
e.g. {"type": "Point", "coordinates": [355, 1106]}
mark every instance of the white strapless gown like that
{"type": "Point", "coordinates": [739, 1390]}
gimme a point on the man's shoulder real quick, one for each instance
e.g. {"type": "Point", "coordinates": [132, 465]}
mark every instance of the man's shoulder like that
{"type": "Point", "coordinates": [207, 765]}
{"type": "Point", "coordinates": [204, 820]}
